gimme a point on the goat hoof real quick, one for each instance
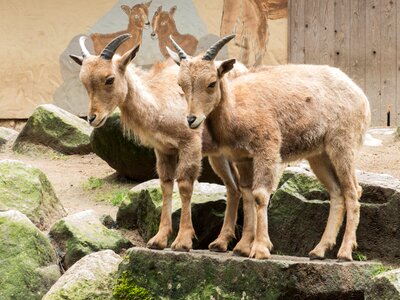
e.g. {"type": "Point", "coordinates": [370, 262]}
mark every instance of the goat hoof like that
{"type": "Point", "coordinates": [218, 246]}
{"type": "Point", "coordinates": [181, 246]}
{"type": "Point", "coordinates": [344, 257]}
{"type": "Point", "coordinates": [260, 251]}
{"type": "Point", "coordinates": [157, 243]}
{"type": "Point", "coordinates": [314, 256]}
{"type": "Point", "coordinates": [242, 249]}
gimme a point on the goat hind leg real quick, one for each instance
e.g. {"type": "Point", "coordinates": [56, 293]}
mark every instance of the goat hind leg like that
{"type": "Point", "coordinates": [229, 176]}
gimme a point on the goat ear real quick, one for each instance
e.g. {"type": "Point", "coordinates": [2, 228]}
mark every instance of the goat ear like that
{"type": "Point", "coordinates": [148, 3]}
{"type": "Point", "coordinates": [172, 10]}
{"type": "Point", "coordinates": [226, 66]}
{"type": "Point", "coordinates": [174, 56]}
{"type": "Point", "coordinates": [159, 9]}
{"type": "Point", "coordinates": [77, 59]}
{"type": "Point", "coordinates": [128, 57]}
{"type": "Point", "coordinates": [126, 9]}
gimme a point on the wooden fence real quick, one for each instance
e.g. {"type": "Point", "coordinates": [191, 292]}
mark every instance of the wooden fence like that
{"type": "Point", "coordinates": [361, 37]}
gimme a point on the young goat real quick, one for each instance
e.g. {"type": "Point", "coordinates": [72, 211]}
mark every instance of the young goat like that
{"type": "Point", "coordinates": [153, 108]}
{"type": "Point", "coordinates": [286, 113]}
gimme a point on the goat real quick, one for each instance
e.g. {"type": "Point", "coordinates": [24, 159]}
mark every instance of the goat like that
{"type": "Point", "coordinates": [138, 19]}
{"type": "Point", "coordinates": [164, 25]}
{"type": "Point", "coordinates": [283, 114]}
{"type": "Point", "coordinates": [152, 108]}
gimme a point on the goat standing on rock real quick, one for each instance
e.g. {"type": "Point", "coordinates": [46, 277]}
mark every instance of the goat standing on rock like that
{"type": "Point", "coordinates": [152, 108]}
{"type": "Point", "coordinates": [279, 115]}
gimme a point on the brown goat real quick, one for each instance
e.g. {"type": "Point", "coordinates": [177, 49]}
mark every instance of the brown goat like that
{"type": "Point", "coordinates": [286, 113]}
{"type": "Point", "coordinates": [153, 108]}
{"type": "Point", "coordinates": [164, 25]}
{"type": "Point", "coordinates": [138, 19]}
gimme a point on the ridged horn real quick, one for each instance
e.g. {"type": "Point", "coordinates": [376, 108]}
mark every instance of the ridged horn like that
{"type": "Point", "coordinates": [182, 54]}
{"type": "Point", "coordinates": [212, 52]}
{"type": "Point", "coordinates": [84, 50]}
{"type": "Point", "coordinates": [109, 50]}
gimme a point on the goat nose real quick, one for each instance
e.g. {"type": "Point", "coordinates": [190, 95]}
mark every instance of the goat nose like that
{"type": "Point", "coordinates": [147, 23]}
{"type": "Point", "coordinates": [152, 34]}
{"type": "Point", "coordinates": [91, 118]}
{"type": "Point", "coordinates": [191, 119]}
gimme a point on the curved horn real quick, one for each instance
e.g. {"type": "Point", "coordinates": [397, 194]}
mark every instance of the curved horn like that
{"type": "Point", "coordinates": [109, 50]}
{"type": "Point", "coordinates": [182, 54]}
{"type": "Point", "coordinates": [212, 52]}
{"type": "Point", "coordinates": [84, 50]}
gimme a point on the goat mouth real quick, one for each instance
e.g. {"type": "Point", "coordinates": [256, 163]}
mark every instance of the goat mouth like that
{"type": "Point", "coordinates": [101, 123]}
{"type": "Point", "coordinates": [196, 124]}
{"type": "Point", "coordinates": [153, 37]}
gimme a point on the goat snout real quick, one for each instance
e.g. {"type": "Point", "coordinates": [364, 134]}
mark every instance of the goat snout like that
{"type": "Point", "coordinates": [91, 119]}
{"type": "Point", "coordinates": [191, 119]}
{"type": "Point", "coordinates": [153, 35]}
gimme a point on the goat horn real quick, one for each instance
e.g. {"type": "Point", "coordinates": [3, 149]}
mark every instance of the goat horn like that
{"type": "Point", "coordinates": [182, 54]}
{"type": "Point", "coordinates": [84, 50]}
{"type": "Point", "coordinates": [109, 50]}
{"type": "Point", "coordinates": [212, 52]}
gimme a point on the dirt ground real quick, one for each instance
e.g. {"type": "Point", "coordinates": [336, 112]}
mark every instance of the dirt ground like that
{"type": "Point", "coordinates": [70, 175]}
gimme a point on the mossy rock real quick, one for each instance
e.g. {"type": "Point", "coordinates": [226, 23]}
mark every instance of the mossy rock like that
{"type": "Point", "coordinates": [82, 233]}
{"type": "Point", "coordinates": [53, 127]}
{"type": "Point", "coordinates": [27, 189]}
{"type": "Point", "coordinates": [92, 277]}
{"type": "Point", "coordinates": [142, 210]}
{"type": "Point", "coordinates": [385, 286]}
{"type": "Point", "coordinates": [130, 159]}
{"type": "Point", "coordinates": [28, 262]}
{"type": "Point", "coordinates": [6, 134]}
{"type": "Point", "coordinates": [198, 274]}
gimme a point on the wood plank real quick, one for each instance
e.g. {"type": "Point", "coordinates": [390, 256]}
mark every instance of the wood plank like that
{"type": "Point", "coordinates": [342, 35]}
{"type": "Point", "coordinates": [388, 58]}
{"type": "Point", "coordinates": [326, 40]}
{"type": "Point", "coordinates": [357, 42]}
{"type": "Point", "coordinates": [373, 61]}
{"type": "Point", "coordinates": [312, 32]}
{"type": "Point", "coordinates": [296, 31]}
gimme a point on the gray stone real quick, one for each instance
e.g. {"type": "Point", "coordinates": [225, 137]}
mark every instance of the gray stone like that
{"type": "Point", "coordinates": [91, 277]}
{"type": "Point", "coordinates": [6, 134]}
{"type": "Point", "coordinates": [385, 286]}
{"type": "Point", "coordinates": [206, 275]}
{"type": "Point", "coordinates": [27, 189]}
{"type": "Point", "coordinates": [53, 127]}
{"type": "Point", "coordinates": [28, 262]}
{"type": "Point", "coordinates": [82, 233]}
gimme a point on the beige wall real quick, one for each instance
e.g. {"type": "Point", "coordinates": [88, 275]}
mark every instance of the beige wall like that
{"type": "Point", "coordinates": [34, 33]}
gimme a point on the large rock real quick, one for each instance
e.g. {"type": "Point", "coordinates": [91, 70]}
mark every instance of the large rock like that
{"type": "Point", "coordinates": [6, 134]}
{"type": "Point", "coordinates": [28, 262]}
{"type": "Point", "coordinates": [83, 233]}
{"type": "Point", "coordinates": [385, 286]}
{"type": "Point", "coordinates": [27, 189]}
{"type": "Point", "coordinates": [92, 277]}
{"type": "Point", "coordinates": [299, 211]}
{"type": "Point", "coordinates": [142, 210]}
{"type": "Point", "coordinates": [56, 128]}
{"type": "Point", "coordinates": [204, 275]}
{"type": "Point", "coordinates": [129, 158]}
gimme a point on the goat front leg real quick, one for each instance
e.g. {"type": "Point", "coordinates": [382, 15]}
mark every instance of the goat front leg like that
{"type": "Point", "coordinates": [230, 177]}
{"type": "Point", "coordinates": [166, 166]}
{"type": "Point", "coordinates": [188, 171]}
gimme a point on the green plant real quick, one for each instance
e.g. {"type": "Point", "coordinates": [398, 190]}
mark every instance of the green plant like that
{"type": "Point", "coordinates": [379, 269]}
{"type": "Point", "coordinates": [359, 256]}
{"type": "Point", "coordinates": [93, 183]}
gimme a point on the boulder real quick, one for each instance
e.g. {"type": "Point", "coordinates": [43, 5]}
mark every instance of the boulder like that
{"type": "Point", "coordinates": [28, 262]}
{"type": "Point", "coordinates": [6, 134]}
{"type": "Point", "coordinates": [206, 275]}
{"type": "Point", "coordinates": [127, 156]}
{"type": "Point", "coordinates": [53, 127]}
{"type": "Point", "coordinates": [83, 233]}
{"type": "Point", "coordinates": [299, 211]}
{"type": "Point", "coordinates": [27, 189]}
{"type": "Point", "coordinates": [385, 286]}
{"type": "Point", "coordinates": [142, 210]}
{"type": "Point", "coordinates": [91, 277]}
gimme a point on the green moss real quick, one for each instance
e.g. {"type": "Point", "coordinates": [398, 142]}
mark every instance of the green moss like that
{"type": "Point", "coordinates": [127, 288]}
{"type": "Point", "coordinates": [359, 256]}
{"type": "Point", "coordinates": [379, 269]}
{"type": "Point", "coordinates": [93, 183]}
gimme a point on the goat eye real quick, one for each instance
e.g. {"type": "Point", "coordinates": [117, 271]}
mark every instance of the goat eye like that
{"type": "Point", "coordinates": [110, 80]}
{"type": "Point", "coordinates": [212, 84]}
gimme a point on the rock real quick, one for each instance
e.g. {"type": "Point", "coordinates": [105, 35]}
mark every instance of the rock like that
{"type": "Point", "coordinates": [207, 275]}
{"type": "Point", "coordinates": [27, 189]}
{"type": "Point", "coordinates": [108, 221]}
{"type": "Point", "coordinates": [6, 134]}
{"type": "Point", "coordinates": [385, 286]}
{"type": "Point", "coordinates": [91, 277]}
{"type": "Point", "coordinates": [129, 158]}
{"type": "Point", "coordinates": [142, 210]}
{"type": "Point", "coordinates": [56, 128]}
{"type": "Point", "coordinates": [28, 262]}
{"type": "Point", "coordinates": [82, 233]}
{"type": "Point", "coordinates": [299, 211]}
